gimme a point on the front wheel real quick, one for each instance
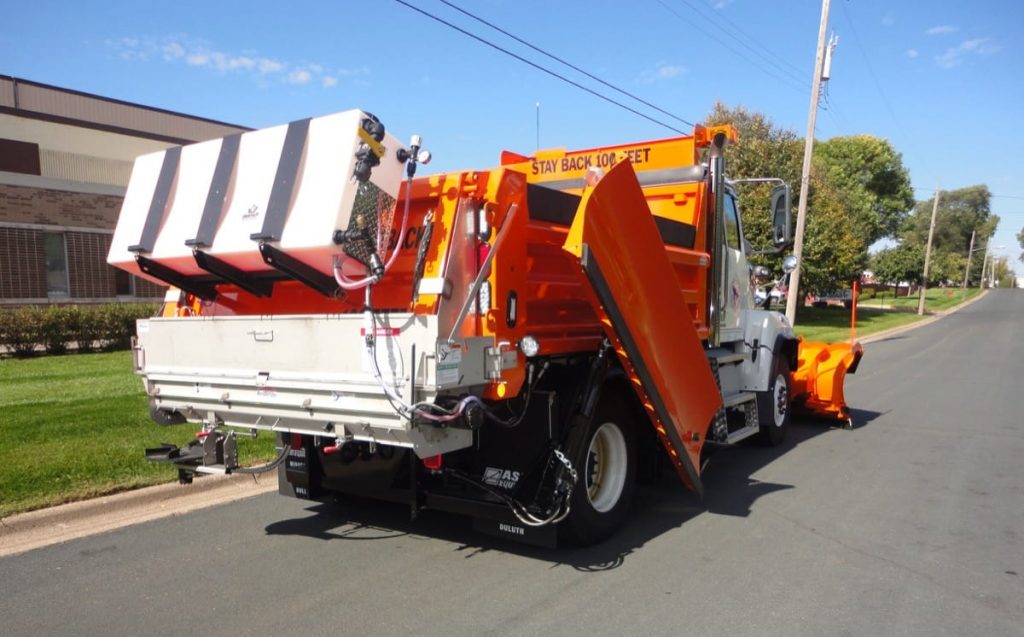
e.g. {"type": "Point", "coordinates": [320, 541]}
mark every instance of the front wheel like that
{"type": "Point", "coordinates": [773, 405]}
{"type": "Point", "coordinates": [607, 474]}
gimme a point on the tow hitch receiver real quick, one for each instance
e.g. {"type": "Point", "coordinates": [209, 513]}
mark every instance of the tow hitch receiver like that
{"type": "Point", "coordinates": [211, 452]}
{"type": "Point", "coordinates": [818, 383]}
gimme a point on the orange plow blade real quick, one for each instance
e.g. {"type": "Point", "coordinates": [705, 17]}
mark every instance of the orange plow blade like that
{"type": "Point", "coordinates": [820, 375]}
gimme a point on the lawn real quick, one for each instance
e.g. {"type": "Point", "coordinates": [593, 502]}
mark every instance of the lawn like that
{"type": "Point", "coordinates": [873, 315]}
{"type": "Point", "coordinates": [76, 426]}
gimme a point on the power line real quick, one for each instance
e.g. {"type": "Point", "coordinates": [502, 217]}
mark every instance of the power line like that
{"type": "Point", "coordinates": [745, 41]}
{"type": "Point", "coordinates": [874, 78]}
{"type": "Point", "coordinates": [785, 79]}
{"type": "Point", "coordinates": [541, 68]}
{"type": "Point", "coordinates": [561, 61]}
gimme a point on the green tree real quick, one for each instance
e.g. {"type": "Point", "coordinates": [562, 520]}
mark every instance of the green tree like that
{"type": "Point", "coordinates": [1020, 238]}
{"type": "Point", "coordinates": [1002, 274]}
{"type": "Point", "coordinates": [763, 150]}
{"type": "Point", "coordinates": [959, 213]}
{"type": "Point", "coordinates": [834, 249]}
{"type": "Point", "coordinates": [904, 262]}
{"type": "Point", "coordinates": [835, 253]}
{"type": "Point", "coordinates": [870, 176]}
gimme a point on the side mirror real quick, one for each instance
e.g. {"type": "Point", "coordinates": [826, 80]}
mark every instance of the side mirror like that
{"type": "Point", "coordinates": [780, 208]}
{"type": "Point", "coordinates": [789, 264]}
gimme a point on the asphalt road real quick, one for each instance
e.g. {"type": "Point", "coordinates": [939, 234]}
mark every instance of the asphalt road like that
{"type": "Point", "coordinates": [910, 524]}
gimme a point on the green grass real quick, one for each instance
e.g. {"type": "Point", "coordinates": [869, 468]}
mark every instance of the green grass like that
{"type": "Point", "coordinates": [832, 324]}
{"type": "Point", "coordinates": [76, 426]}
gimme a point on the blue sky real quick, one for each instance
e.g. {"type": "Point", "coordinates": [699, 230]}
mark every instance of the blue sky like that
{"type": "Point", "coordinates": [943, 80]}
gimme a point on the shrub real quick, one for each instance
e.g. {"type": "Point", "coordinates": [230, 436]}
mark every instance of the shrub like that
{"type": "Point", "coordinates": [866, 294]}
{"type": "Point", "coordinates": [21, 329]}
{"type": "Point", "coordinates": [110, 327]}
{"type": "Point", "coordinates": [90, 332]}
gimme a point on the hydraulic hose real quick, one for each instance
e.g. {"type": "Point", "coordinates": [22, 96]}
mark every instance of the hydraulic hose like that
{"type": "Point", "coordinates": [270, 466]}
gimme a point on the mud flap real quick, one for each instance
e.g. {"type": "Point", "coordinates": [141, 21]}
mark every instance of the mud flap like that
{"type": "Point", "coordinates": [818, 382]}
{"type": "Point", "coordinates": [632, 289]}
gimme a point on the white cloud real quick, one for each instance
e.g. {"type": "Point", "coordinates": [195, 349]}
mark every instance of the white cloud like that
{"type": "Point", "coordinates": [942, 29]}
{"type": "Point", "coordinates": [888, 19]}
{"type": "Point", "coordinates": [299, 76]}
{"type": "Point", "coordinates": [267, 66]}
{"type": "Point", "coordinates": [954, 56]}
{"type": "Point", "coordinates": [721, 4]}
{"type": "Point", "coordinates": [912, 53]}
{"type": "Point", "coordinates": [172, 51]}
{"type": "Point", "coordinates": [661, 71]}
{"type": "Point", "coordinates": [181, 48]}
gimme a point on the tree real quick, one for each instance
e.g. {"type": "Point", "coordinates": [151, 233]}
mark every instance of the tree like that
{"type": "Point", "coordinates": [834, 248]}
{"type": "Point", "coordinates": [1002, 275]}
{"type": "Point", "coordinates": [1020, 238]}
{"type": "Point", "coordinates": [835, 253]}
{"type": "Point", "coordinates": [763, 150]}
{"type": "Point", "coordinates": [959, 213]}
{"type": "Point", "coordinates": [874, 184]}
{"type": "Point", "coordinates": [904, 262]}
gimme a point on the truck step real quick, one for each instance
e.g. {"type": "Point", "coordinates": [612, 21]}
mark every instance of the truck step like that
{"type": "Point", "coordinates": [740, 398]}
{"type": "Point", "coordinates": [741, 434]}
{"type": "Point", "coordinates": [725, 356]}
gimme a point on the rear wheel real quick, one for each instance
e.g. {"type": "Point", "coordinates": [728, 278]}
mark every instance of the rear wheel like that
{"type": "Point", "coordinates": [773, 405]}
{"type": "Point", "coordinates": [606, 472]}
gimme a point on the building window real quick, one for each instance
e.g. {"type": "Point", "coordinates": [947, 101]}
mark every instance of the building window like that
{"type": "Point", "coordinates": [56, 265]}
{"type": "Point", "coordinates": [123, 283]}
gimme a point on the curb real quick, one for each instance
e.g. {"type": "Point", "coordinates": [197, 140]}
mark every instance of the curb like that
{"type": "Point", "coordinates": [881, 336]}
{"type": "Point", "coordinates": [36, 529]}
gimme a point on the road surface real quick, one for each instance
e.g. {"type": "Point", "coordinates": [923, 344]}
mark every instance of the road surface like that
{"type": "Point", "coordinates": [911, 524]}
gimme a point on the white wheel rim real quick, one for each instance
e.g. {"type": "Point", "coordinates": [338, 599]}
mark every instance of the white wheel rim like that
{"type": "Point", "coordinates": [606, 467]}
{"type": "Point", "coordinates": [780, 400]}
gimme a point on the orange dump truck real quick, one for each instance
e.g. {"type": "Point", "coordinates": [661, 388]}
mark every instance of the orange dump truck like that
{"type": "Point", "coordinates": [514, 344]}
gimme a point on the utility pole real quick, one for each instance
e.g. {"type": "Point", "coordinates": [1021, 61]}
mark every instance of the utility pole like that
{"type": "Point", "coordinates": [805, 173]}
{"type": "Point", "coordinates": [927, 256]}
{"type": "Point", "coordinates": [984, 262]}
{"type": "Point", "coordinates": [970, 251]}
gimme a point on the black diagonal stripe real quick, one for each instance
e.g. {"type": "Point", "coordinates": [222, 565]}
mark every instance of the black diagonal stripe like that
{"type": "Point", "coordinates": [218, 190]}
{"type": "Point", "coordinates": [284, 182]}
{"type": "Point", "coordinates": [158, 204]}
{"type": "Point", "coordinates": [600, 285]}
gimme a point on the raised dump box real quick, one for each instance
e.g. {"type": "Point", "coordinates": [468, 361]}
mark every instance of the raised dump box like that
{"type": "Point", "coordinates": [231, 207]}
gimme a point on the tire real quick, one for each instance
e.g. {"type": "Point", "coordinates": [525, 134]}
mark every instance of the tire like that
{"type": "Point", "coordinates": [606, 465]}
{"type": "Point", "coordinates": [773, 405]}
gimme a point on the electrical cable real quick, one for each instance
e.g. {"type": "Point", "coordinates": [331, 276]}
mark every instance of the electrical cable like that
{"type": "Point", "coordinates": [790, 82]}
{"type": "Point", "coordinates": [795, 74]}
{"type": "Point", "coordinates": [568, 64]}
{"type": "Point", "coordinates": [539, 67]}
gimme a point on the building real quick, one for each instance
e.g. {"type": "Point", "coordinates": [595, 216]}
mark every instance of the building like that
{"type": "Point", "coordinates": [65, 159]}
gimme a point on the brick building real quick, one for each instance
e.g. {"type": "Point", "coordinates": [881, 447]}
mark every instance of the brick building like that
{"type": "Point", "coordinates": [65, 159]}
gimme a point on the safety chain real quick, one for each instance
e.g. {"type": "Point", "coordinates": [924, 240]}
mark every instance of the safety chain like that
{"type": "Point", "coordinates": [568, 465]}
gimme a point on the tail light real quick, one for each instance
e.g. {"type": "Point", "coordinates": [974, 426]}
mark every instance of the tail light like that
{"type": "Point", "coordinates": [433, 463]}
